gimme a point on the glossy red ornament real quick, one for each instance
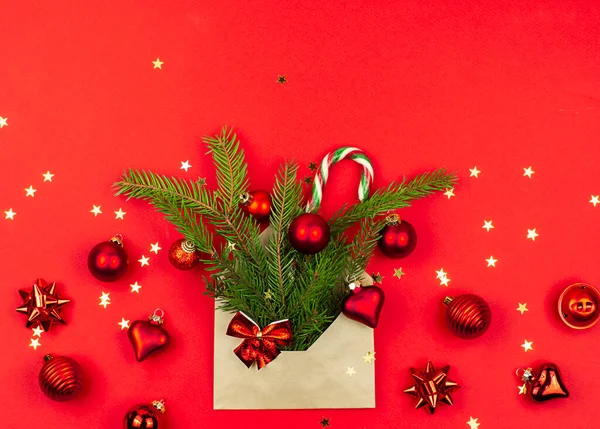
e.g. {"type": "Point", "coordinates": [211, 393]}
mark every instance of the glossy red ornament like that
{"type": "Point", "coordinates": [545, 383]}
{"type": "Point", "coordinates": [256, 203]}
{"type": "Point", "coordinates": [309, 233]}
{"type": "Point", "coordinates": [108, 261]}
{"type": "Point", "coordinates": [431, 387]}
{"type": "Point", "coordinates": [467, 316]}
{"type": "Point", "coordinates": [148, 336]}
{"type": "Point", "coordinates": [183, 255]}
{"type": "Point", "coordinates": [145, 416]}
{"type": "Point", "coordinates": [398, 238]}
{"type": "Point", "coordinates": [364, 304]}
{"type": "Point", "coordinates": [578, 306]}
{"type": "Point", "coordinates": [60, 378]}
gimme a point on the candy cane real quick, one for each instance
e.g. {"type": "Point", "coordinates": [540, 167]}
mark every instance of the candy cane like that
{"type": "Point", "coordinates": [332, 158]}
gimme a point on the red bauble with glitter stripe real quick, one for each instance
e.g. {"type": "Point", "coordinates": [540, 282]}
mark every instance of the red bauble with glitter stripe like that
{"type": "Point", "coordinates": [467, 316]}
{"type": "Point", "coordinates": [60, 378]}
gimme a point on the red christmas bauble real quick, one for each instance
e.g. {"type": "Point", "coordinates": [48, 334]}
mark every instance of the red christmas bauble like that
{"type": "Point", "coordinates": [309, 233]}
{"type": "Point", "coordinates": [364, 305]}
{"type": "Point", "coordinates": [145, 416]}
{"type": "Point", "coordinates": [467, 316]}
{"type": "Point", "coordinates": [108, 261]}
{"type": "Point", "coordinates": [183, 255]}
{"type": "Point", "coordinates": [579, 306]}
{"type": "Point", "coordinates": [60, 378]}
{"type": "Point", "coordinates": [398, 238]}
{"type": "Point", "coordinates": [257, 203]}
{"type": "Point", "coordinates": [148, 336]}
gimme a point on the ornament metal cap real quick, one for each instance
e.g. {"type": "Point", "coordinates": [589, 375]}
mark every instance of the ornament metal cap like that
{"type": "Point", "coordinates": [159, 405]}
{"type": "Point", "coordinates": [155, 318]}
{"type": "Point", "coordinates": [579, 306]}
{"type": "Point", "coordinates": [393, 219]}
{"type": "Point", "coordinates": [48, 358]}
{"type": "Point", "coordinates": [188, 246]}
{"type": "Point", "coordinates": [448, 300]}
{"type": "Point", "coordinates": [245, 198]}
{"type": "Point", "coordinates": [117, 238]}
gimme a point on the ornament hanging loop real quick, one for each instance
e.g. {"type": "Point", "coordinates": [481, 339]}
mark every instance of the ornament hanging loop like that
{"type": "Point", "coordinates": [157, 318]}
{"type": "Point", "coordinates": [353, 153]}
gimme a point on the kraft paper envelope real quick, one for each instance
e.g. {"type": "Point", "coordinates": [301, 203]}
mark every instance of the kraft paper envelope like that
{"type": "Point", "coordinates": [315, 378]}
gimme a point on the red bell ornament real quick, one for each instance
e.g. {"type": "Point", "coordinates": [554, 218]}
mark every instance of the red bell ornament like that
{"type": "Point", "coordinates": [148, 336]}
{"type": "Point", "coordinates": [398, 238]}
{"type": "Point", "coordinates": [60, 378]}
{"type": "Point", "coordinates": [579, 306]}
{"type": "Point", "coordinates": [364, 304]}
{"type": "Point", "coordinates": [145, 416]}
{"type": "Point", "coordinates": [107, 261]}
{"type": "Point", "coordinates": [256, 203]}
{"type": "Point", "coordinates": [183, 255]}
{"type": "Point", "coordinates": [309, 233]}
{"type": "Point", "coordinates": [467, 316]}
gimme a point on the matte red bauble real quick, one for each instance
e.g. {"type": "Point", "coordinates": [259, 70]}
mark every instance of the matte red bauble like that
{"type": "Point", "coordinates": [108, 261]}
{"type": "Point", "coordinates": [257, 204]}
{"type": "Point", "coordinates": [364, 304]}
{"type": "Point", "coordinates": [579, 306]}
{"type": "Point", "coordinates": [309, 233]}
{"type": "Point", "coordinates": [183, 255]}
{"type": "Point", "coordinates": [60, 378]}
{"type": "Point", "coordinates": [148, 336]}
{"type": "Point", "coordinates": [145, 416]}
{"type": "Point", "coordinates": [398, 238]}
{"type": "Point", "coordinates": [467, 316]}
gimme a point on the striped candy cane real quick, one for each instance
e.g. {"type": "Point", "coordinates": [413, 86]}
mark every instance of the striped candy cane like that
{"type": "Point", "coordinates": [332, 158]}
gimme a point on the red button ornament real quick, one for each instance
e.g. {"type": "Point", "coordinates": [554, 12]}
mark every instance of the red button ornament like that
{"type": "Point", "coordinates": [578, 306]}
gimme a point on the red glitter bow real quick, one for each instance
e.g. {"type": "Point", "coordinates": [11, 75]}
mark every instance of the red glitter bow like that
{"type": "Point", "coordinates": [259, 345]}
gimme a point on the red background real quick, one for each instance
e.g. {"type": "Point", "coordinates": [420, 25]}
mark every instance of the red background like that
{"type": "Point", "coordinates": [500, 87]}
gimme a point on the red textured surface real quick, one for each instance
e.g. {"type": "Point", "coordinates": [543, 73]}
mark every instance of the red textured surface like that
{"type": "Point", "coordinates": [498, 87]}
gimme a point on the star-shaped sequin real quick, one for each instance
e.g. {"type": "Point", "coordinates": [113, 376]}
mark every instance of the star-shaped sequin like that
{"type": "Point", "coordinates": [281, 79]}
{"type": "Point", "coordinates": [120, 214]}
{"type": "Point", "coordinates": [398, 273]}
{"type": "Point", "coordinates": [3, 122]}
{"type": "Point", "coordinates": [37, 331]}
{"type": "Point", "coordinates": [10, 214]}
{"type": "Point", "coordinates": [158, 64]}
{"type": "Point", "coordinates": [155, 248]}
{"type": "Point", "coordinates": [104, 299]}
{"type": "Point", "coordinates": [449, 193]}
{"type": "Point", "coordinates": [312, 166]}
{"type": "Point", "coordinates": [431, 387]}
{"type": "Point", "coordinates": [377, 277]}
{"type": "Point", "coordinates": [531, 234]}
{"type": "Point", "coordinates": [350, 371]}
{"type": "Point", "coordinates": [230, 246]}
{"type": "Point", "coordinates": [487, 225]}
{"type": "Point", "coordinates": [325, 422]}
{"type": "Point", "coordinates": [96, 210]}
{"type": "Point", "coordinates": [35, 343]}
{"type": "Point", "coordinates": [444, 281]}
{"type": "Point", "coordinates": [522, 389]}
{"type": "Point", "coordinates": [369, 357]}
{"type": "Point", "coordinates": [30, 192]}
{"type": "Point", "coordinates": [474, 172]}
{"type": "Point", "coordinates": [595, 200]}
{"type": "Point", "coordinates": [528, 172]}
{"type": "Point", "coordinates": [473, 423]}
{"type": "Point", "coordinates": [124, 324]}
{"type": "Point", "coordinates": [307, 180]}
{"type": "Point", "coordinates": [440, 273]}
{"type": "Point", "coordinates": [185, 165]}
{"type": "Point", "coordinates": [144, 261]}
{"type": "Point", "coordinates": [268, 295]}
{"type": "Point", "coordinates": [527, 345]}
{"type": "Point", "coordinates": [491, 262]}
{"type": "Point", "coordinates": [135, 287]}
{"type": "Point", "coordinates": [522, 308]}
{"type": "Point", "coordinates": [48, 176]}
{"type": "Point", "coordinates": [201, 181]}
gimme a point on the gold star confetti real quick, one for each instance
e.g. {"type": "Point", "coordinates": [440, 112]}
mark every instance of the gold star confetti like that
{"type": "Point", "coordinates": [522, 308]}
{"type": "Point", "coordinates": [398, 273]}
{"type": "Point", "coordinates": [595, 200]}
{"type": "Point", "coordinates": [104, 299]}
{"type": "Point", "coordinates": [35, 343]}
{"type": "Point", "coordinates": [487, 225]}
{"type": "Point", "coordinates": [440, 274]}
{"type": "Point", "coordinates": [444, 281]}
{"type": "Point", "coordinates": [155, 248]}
{"type": "Point", "coordinates": [491, 261]}
{"type": "Point", "coordinates": [96, 210]}
{"type": "Point", "coordinates": [30, 191]}
{"type": "Point", "coordinates": [449, 193]}
{"type": "Point", "coordinates": [369, 357]}
{"type": "Point", "coordinates": [201, 181]}
{"type": "Point", "coordinates": [307, 180]}
{"type": "Point", "coordinates": [474, 172]}
{"type": "Point", "coordinates": [185, 165]}
{"type": "Point", "coordinates": [48, 176]}
{"type": "Point", "coordinates": [528, 171]}
{"type": "Point", "coordinates": [281, 79]}
{"type": "Point", "coordinates": [522, 389]}
{"type": "Point", "coordinates": [377, 278]}
{"type": "Point", "coordinates": [135, 287]}
{"type": "Point", "coordinates": [473, 423]}
{"type": "Point", "coordinates": [532, 234]}
{"type": "Point", "coordinates": [350, 371]}
{"type": "Point", "coordinates": [123, 323]}
{"type": "Point", "coordinates": [3, 122]}
{"type": "Point", "coordinates": [10, 214]}
{"type": "Point", "coordinates": [268, 295]}
{"type": "Point", "coordinates": [120, 214]}
{"type": "Point", "coordinates": [230, 246]}
{"type": "Point", "coordinates": [325, 422]}
{"type": "Point", "coordinates": [158, 63]}
{"type": "Point", "coordinates": [312, 166]}
{"type": "Point", "coordinates": [527, 345]}
{"type": "Point", "coordinates": [37, 331]}
{"type": "Point", "coordinates": [144, 261]}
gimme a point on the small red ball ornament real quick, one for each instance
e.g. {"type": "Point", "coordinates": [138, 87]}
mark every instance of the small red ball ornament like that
{"type": "Point", "coordinates": [364, 304]}
{"type": "Point", "coordinates": [148, 336]}
{"type": "Point", "coordinates": [579, 306]}
{"type": "Point", "coordinates": [108, 261]}
{"type": "Point", "coordinates": [60, 378]}
{"type": "Point", "coordinates": [145, 416]}
{"type": "Point", "coordinates": [183, 255]}
{"type": "Point", "coordinates": [467, 316]}
{"type": "Point", "coordinates": [398, 238]}
{"type": "Point", "coordinates": [309, 233]}
{"type": "Point", "coordinates": [256, 203]}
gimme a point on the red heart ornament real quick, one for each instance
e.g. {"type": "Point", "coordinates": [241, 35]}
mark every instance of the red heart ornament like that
{"type": "Point", "coordinates": [148, 336]}
{"type": "Point", "coordinates": [364, 305]}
